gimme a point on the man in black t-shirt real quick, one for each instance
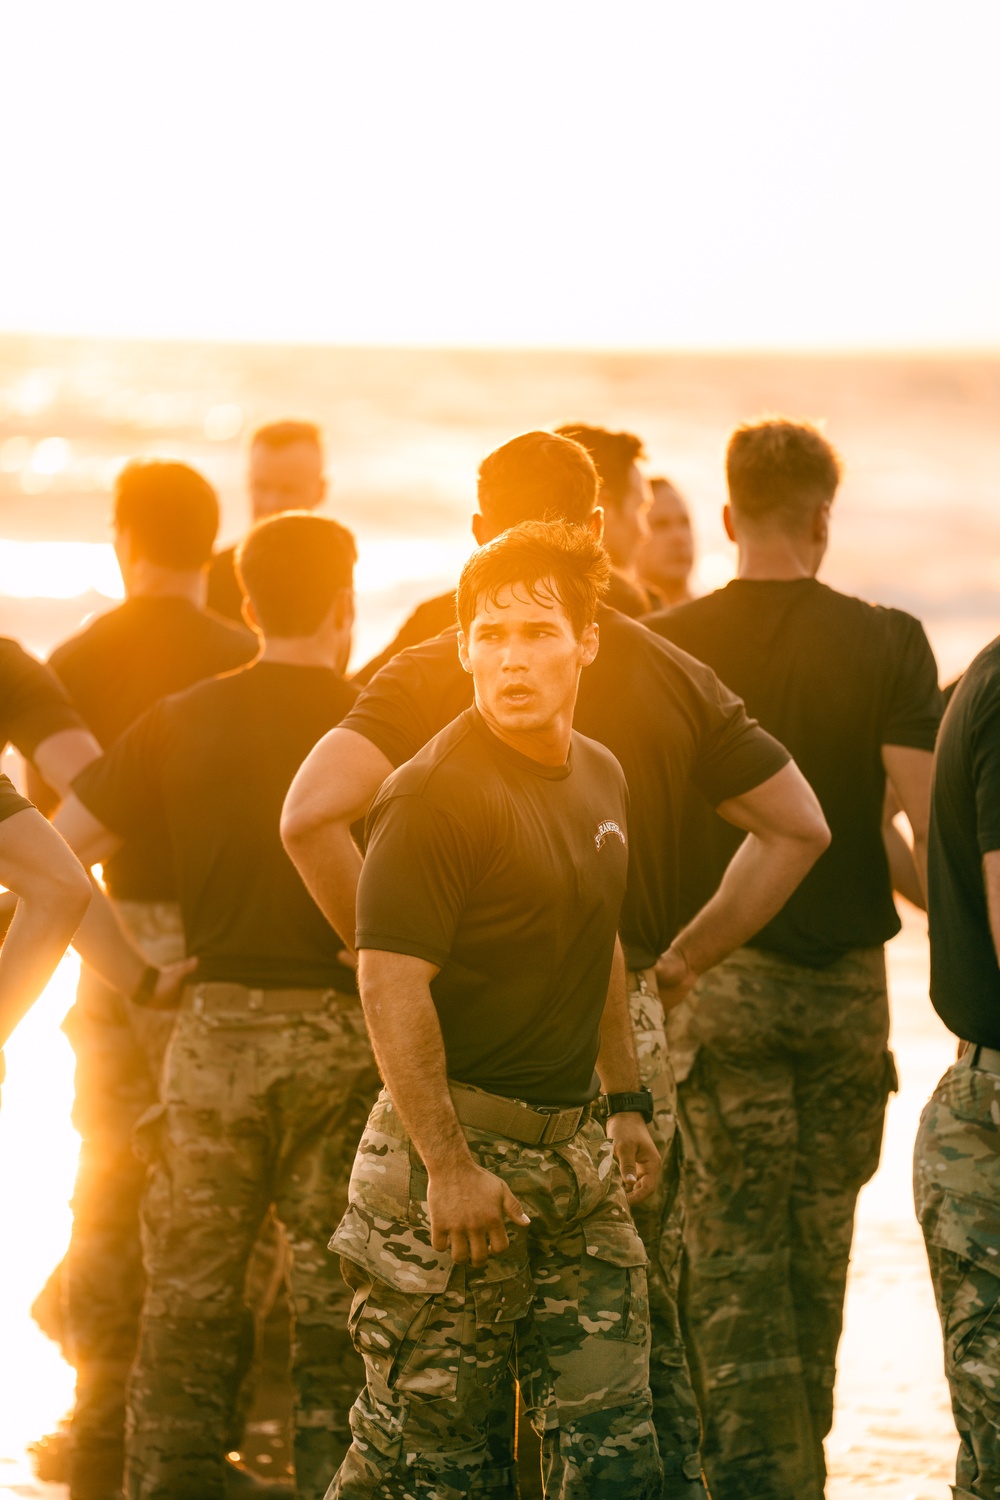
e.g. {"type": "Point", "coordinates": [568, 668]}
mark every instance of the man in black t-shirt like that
{"type": "Point", "coordinates": [493, 986]}
{"type": "Point", "coordinates": [782, 1051]}
{"type": "Point", "coordinates": [269, 1076]}
{"type": "Point", "coordinates": [285, 472]}
{"type": "Point", "coordinates": [956, 1165]}
{"type": "Point", "coordinates": [159, 641]}
{"type": "Point", "coordinates": [666, 719]}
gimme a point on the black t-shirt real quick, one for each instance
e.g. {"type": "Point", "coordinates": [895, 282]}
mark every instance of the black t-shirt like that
{"type": "Point", "coordinates": [225, 596]}
{"type": "Point", "coordinates": [33, 702]}
{"type": "Point", "coordinates": [11, 801]}
{"type": "Point", "coordinates": [965, 825]}
{"type": "Point", "coordinates": [212, 766]}
{"type": "Point", "coordinates": [427, 620]}
{"type": "Point", "coordinates": [665, 718]}
{"type": "Point", "coordinates": [121, 664]}
{"type": "Point", "coordinates": [509, 875]}
{"type": "Point", "coordinates": [835, 679]}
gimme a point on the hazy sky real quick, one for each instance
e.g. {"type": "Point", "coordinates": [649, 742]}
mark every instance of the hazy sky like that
{"type": "Point", "coordinates": [674, 173]}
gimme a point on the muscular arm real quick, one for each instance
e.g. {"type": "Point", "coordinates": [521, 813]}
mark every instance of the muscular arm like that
{"type": "Point", "coordinates": [53, 892]}
{"type": "Point", "coordinates": [787, 833]}
{"type": "Point", "coordinates": [902, 867]}
{"type": "Point", "coordinates": [618, 1070]}
{"type": "Point", "coordinates": [909, 773]}
{"type": "Point", "coordinates": [467, 1204]}
{"type": "Point", "coordinates": [56, 763]}
{"type": "Point", "coordinates": [333, 788]}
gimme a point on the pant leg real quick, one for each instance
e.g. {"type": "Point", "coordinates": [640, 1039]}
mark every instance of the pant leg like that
{"type": "Point", "coordinates": [843, 1081]}
{"type": "Point", "coordinates": [660, 1222]}
{"type": "Point", "coordinates": [956, 1171]}
{"type": "Point", "coordinates": [739, 1123]}
{"type": "Point", "coordinates": [210, 1149]}
{"type": "Point", "coordinates": [437, 1339]}
{"type": "Point", "coordinates": [331, 1084]}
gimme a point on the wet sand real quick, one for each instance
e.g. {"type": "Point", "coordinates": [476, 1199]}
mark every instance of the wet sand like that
{"type": "Point", "coordinates": [893, 1436]}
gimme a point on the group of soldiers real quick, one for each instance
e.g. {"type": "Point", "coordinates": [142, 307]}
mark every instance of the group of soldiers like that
{"type": "Point", "coordinates": [615, 1175]}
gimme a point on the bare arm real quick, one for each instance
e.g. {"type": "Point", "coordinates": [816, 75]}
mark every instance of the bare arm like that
{"type": "Point", "coordinates": [902, 867]}
{"type": "Point", "coordinates": [467, 1204]}
{"type": "Point", "coordinates": [618, 1070]}
{"type": "Point", "coordinates": [909, 773]}
{"type": "Point", "coordinates": [787, 833]}
{"type": "Point", "coordinates": [56, 763]}
{"type": "Point", "coordinates": [101, 941]}
{"type": "Point", "coordinates": [333, 788]}
{"type": "Point", "coordinates": [53, 892]}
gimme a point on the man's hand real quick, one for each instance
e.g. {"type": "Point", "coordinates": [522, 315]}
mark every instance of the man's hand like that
{"type": "Point", "coordinates": [637, 1156]}
{"type": "Point", "coordinates": [467, 1209]}
{"type": "Point", "coordinates": [167, 990]}
{"type": "Point", "coordinates": [675, 978]}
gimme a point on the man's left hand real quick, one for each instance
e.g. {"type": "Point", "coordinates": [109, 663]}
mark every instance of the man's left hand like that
{"type": "Point", "coordinates": [637, 1156]}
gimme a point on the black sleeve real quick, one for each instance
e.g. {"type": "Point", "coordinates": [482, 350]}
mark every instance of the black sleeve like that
{"type": "Point", "coordinates": [419, 868]}
{"type": "Point", "coordinates": [393, 711]}
{"type": "Point", "coordinates": [984, 742]}
{"type": "Point", "coordinates": [33, 702]}
{"type": "Point", "coordinates": [915, 703]}
{"type": "Point", "coordinates": [122, 789]}
{"type": "Point", "coordinates": [733, 754]}
{"type": "Point", "coordinates": [428, 619]}
{"type": "Point", "coordinates": [11, 801]}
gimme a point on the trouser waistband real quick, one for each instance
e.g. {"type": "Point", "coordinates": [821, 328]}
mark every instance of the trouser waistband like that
{"type": "Point", "coordinates": [219, 995]}
{"type": "Point", "coordinates": [642, 981]}
{"type": "Point", "coordinates": [518, 1121]}
{"type": "Point", "coordinates": [987, 1058]}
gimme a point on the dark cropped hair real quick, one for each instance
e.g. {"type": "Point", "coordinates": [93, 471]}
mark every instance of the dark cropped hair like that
{"type": "Point", "coordinates": [532, 556]}
{"type": "Point", "coordinates": [292, 567]}
{"type": "Point", "coordinates": [780, 470]}
{"type": "Point", "coordinates": [170, 510]}
{"type": "Point", "coordinates": [284, 434]}
{"type": "Point", "coordinates": [537, 477]}
{"type": "Point", "coordinates": [613, 453]}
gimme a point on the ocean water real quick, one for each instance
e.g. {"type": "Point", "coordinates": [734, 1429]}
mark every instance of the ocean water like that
{"type": "Point", "coordinates": [917, 524]}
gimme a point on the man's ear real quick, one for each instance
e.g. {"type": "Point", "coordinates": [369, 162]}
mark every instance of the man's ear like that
{"type": "Point", "coordinates": [821, 522]}
{"type": "Point", "coordinates": [590, 640]}
{"type": "Point", "coordinates": [727, 521]}
{"type": "Point", "coordinates": [463, 651]}
{"type": "Point", "coordinates": [480, 530]}
{"type": "Point", "coordinates": [343, 605]}
{"type": "Point", "coordinates": [595, 522]}
{"type": "Point", "coordinates": [250, 615]}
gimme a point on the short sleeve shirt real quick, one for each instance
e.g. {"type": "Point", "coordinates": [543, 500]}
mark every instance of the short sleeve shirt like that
{"type": "Point", "coordinates": [508, 875]}
{"type": "Point", "coordinates": [33, 703]}
{"type": "Point", "coordinates": [666, 718]}
{"type": "Point", "coordinates": [965, 825]}
{"type": "Point", "coordinates": [11, 801]}
{"type": "Point", "coordinates": [834, 679]}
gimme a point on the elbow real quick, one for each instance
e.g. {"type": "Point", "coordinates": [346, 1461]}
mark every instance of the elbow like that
{"type": "Point", "coordinates": [299, 825]}
{"type": "Point", "coordinates": [70, 894]}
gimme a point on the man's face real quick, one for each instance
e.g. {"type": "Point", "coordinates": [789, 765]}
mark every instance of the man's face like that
{"type": "Point", "coordinates": [625, 527]}
{"type": "Point", "coordinates": [525, 659]}
{"type": "Point", "coordinates": [669, 552]}
{"type": "Point", "coordinates": [289, 478]}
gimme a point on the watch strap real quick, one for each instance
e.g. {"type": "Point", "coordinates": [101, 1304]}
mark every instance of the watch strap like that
{"type": "Point", "coordinates": [639, 1101]}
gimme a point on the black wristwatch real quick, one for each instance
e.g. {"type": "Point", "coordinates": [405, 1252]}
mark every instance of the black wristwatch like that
{"type": "Point", "coordinates": [640, 1103]}
{"type": "Point", "coordinates": [144, 990]}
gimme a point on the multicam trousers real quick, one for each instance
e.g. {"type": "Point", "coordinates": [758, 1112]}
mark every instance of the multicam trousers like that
{"type": "Point", "coordinates": [565, 1306]}
{"type": "Point", "coordinates": [660, 1222]}
{"type": "Point", "coordinates": [784, 1074]}
{"type": "Point", "coordinates": [258, 1109]}
{"type": "Point", "coordinates": [956, 1185]}
{"type": "Point", "coordinates": [118, 1049]}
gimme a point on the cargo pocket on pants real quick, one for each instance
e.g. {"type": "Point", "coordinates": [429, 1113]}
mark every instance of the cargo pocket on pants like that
{"type": "Point", "coordinates": [410, 1341]}
{"type": "Point", "coordinates": [614, 1299]}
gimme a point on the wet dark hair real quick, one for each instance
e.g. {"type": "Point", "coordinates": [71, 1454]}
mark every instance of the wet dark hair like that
{"type": "Point", "coordinates": [292, 567]}
{"type": "Point", "coordinates": [538, 476]}
{"type": "Point", "coordinates": [780, 470]}
{"type": "Point", "coordinates": [170, 511]}
{"type": "Point", "coordinates": [613, 453]}
{"type": "Point", "coordinates": [533, 555]}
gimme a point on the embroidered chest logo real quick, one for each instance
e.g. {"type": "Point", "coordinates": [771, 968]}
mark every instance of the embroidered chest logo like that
{"type": "Point", "coordinates": [607, 830]}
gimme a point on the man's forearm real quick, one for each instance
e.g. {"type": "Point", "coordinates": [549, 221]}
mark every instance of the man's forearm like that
{"type": "Point", "coordinates": [330, 865]}
{"type": "Point", "coordinates": [758, 881]}
{"type": "Point", "coordinates": [406, 1037]}
{"type": "Point", "coordinates": [36, 940]}
{"type": "Point", "coordinates": [104, 947]}
{"type": "Point", "coordinates": [617, 1065]}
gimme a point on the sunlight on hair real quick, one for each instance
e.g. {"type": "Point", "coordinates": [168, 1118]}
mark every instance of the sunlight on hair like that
{"type": "Point", "coordinates": [38, 1154]}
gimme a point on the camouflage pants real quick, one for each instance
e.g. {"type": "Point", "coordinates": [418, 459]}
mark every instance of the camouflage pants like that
{"type": "Point", "coordinates": [660, 1222]}
{"type": "Point", "coordinates": [956, 1182]}
{"type": "Point", "coordinates": [784, 1074]}
{"type": "Point", "coordinates": [100, 1283]}
{"type": "Point", "coordinates": [258, 1110]}
{"type": "Point", "coordinates": [564, 1309]}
